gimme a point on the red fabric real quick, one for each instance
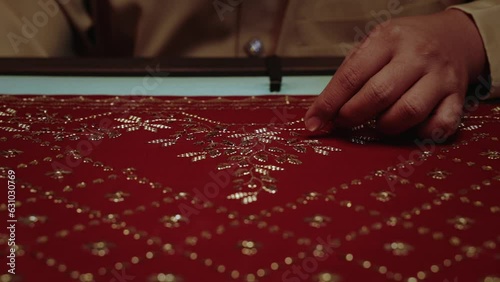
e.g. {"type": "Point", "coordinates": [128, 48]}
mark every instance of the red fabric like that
{"type": "Point", "coordinates": [222, 189]}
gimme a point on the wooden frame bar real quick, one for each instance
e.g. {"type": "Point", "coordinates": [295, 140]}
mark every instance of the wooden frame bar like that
{"type": "Point", "coordinates": [164, 66]}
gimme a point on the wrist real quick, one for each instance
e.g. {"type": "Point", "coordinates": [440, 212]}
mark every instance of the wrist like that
{"type": "Point", "coordinates": [469, 42]}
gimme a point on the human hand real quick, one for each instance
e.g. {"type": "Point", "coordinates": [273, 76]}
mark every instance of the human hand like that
{"type": "Point", "coordinates": [409, 72]}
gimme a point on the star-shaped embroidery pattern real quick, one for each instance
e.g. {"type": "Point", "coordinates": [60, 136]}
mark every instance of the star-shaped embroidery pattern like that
{"type": "Point", "coordinates": [251, 152]}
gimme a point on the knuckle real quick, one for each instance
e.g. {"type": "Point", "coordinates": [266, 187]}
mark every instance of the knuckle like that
{"type": "Point", "coordinates": [392, 29]}
{"type": "Point", "coordinates": [455, 87]}
{"type": "Point", "coordinates": [395, 31]}
{"type": "Point", "coordinates": [379, 92]}
{"type": "Point", "coordinates": [454, 82]}
{"type": "Point", "coordinates": [348, 78]}
{"type": "Point", "coordinates": [327, 104]}
{"type": "Point", "coordinates": [347, 114]}
{"type": "Point", "coordinates": [428, 49]}
{"type": "Point", "coordinates": [389, 30]}
{"type": "Point", "coordinates": [412, 110]}
{"type": "Point", "coordinates": [378, 29]}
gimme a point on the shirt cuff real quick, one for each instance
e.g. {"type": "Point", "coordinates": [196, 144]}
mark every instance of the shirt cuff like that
{"type": "Point", "coordinates": [486, 16]}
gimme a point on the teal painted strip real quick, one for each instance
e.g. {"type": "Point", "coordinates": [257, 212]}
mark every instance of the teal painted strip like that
{"type": "Point", "coordinates": [182, 86]}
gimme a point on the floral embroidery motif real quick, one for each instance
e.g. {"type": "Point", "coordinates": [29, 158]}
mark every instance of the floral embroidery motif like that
{"type": "Point", "coordinates": [439, 174]}
{"type": "Point", "coordinates": [461, 223]}
{"type": "Point", "coordinates": [318, 220]}
{"type": "Point", "coordinates": [383, 196]}
{"type": "Point", "coordinates": [250, 155]}
{"type": "Point", "coordinates": [10, 153]}
{"type": "Point", "coordinates": [398, 248]}
{"type": "Point", "coordinates": [101, 248]}
{"type": "Point", "coordinates": [134, 123]}
{"type": "Point", "coordinates": [492, 155]}
{"type": "Point", "coordinates": [58, 174]}
{"type": "Point", "coordinates": [117, 197]}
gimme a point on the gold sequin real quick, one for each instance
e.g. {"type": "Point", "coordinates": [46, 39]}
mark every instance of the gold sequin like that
{"type": "Point", "coordinates": [58, 173]}
{"type": "Point", "coordinates": [471, 251]}
{"type": "Point", "coordinates": [490, 245]}
{"type": "Point", "coordinates": [33, 220]}
{"type": "Point", "coordinates": [491, 279]}
{"type": "Point", "coordinates": [439, 174]}
{"type": "Point", "coordinates": [446, 196]}
{"type": "Point", "coordinates": [118, 196]}
{"type": "Point", "coordinates": [327, 277]}
{"type": "Point", "coordinates": [318, 221]}
{"type": "Point", "coordinates": [164, 277]}
{"type": "Point", "coordinates": [173, 221]}
{"type": "Point", "coordinates": [11, 153]}
{"type": "Point", "coordinates": [261, 272]}
{"type": "Point", "coordinates": [168, 248]}
{"type": "Point", "coordinates": [454, 241]}
{"type": "Point", "coordinates": [248, 248]}
{"type": "Point", "coordinates": [492, 155]}
{"type": "Point", "coordinates": [100, 248]}
{"type": "Point", "coordinates": [398, 248]}
{"type": "Point", "coordinates": [461, 223]}
{"type": "Point", "coordinates": [383, 196]}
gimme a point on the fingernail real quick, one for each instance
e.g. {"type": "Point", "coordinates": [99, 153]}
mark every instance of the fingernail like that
{"type": "Point", "coordinates": [314, 124]}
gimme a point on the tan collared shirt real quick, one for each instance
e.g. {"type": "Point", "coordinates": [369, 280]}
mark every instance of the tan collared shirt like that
{"type": "Point", "coordinates": [219, 28]}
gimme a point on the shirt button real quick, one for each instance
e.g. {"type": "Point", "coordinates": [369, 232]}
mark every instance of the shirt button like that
{"type": "Point", "coordinates": [254, 47]}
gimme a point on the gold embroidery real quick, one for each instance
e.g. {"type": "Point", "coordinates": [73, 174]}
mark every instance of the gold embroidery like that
{"type": "Point", "coordinates": [398, 248]}
{"type": "Point", "coordinates": [173, 221]}
{"type": "Point", "coordinates": [461, 223]}
{"type": "Point", "coordinates": [164, 277]}
{"type": "Point", "coordinates": [318, 221]}
{"type": "Point", "coordinates": [117, 197]}
{"type": "Point", "coordinates": [439, 174]}
{"type": "Point", "coordinates": [134, 123]}
{"type": "Point", "coordinates": [248, 248]}
{"type": "Point", "coordinates": [10, 153]}
{"type": "Point", "coordinates": [471, 251]}
{"type": "Point", "coordinates": [250, 156]}
{"type": "Point", "coordinates": [33, 220]}
{"type": "Point", "coordinates": [383, 196]}
{"type": "Point", "coordinates": [327, 277]}
{"type": "Point", "coordinates": [58, 173]}
{"type": "Point", "coordinates": [492, 155]}
{"type": "Point", "coordinates": [184, 133]}
{"type": "Point", "coordinates": [100, 249]}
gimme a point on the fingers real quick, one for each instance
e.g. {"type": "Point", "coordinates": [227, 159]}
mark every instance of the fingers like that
{"type": "Point", "coordinates": [446, 119]}
{"type": "Point", "coordinates": [379, 93]}
{"type": "Point", "coordinates": [350, 77]}
{"type": "Point", "coordinates": [413, 107]}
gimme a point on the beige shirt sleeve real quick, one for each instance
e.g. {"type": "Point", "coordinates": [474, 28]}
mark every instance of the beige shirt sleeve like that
{"type": "Point", "coordinates": [34, 29]}
{"type": "Point", "coordinates": [486, 14]}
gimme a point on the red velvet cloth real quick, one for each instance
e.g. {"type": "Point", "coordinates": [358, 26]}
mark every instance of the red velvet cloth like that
{"type": "Point", "coordinates": [223, 189]}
